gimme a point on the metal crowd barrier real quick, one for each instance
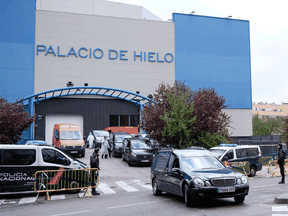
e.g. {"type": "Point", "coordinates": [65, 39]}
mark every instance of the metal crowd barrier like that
{"type": "Point", "coordinates": [273, 167]}
{"type": "Point", "coordinates": [66, 180]}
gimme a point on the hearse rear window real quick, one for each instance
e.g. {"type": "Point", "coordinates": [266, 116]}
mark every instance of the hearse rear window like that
{"type": "Point", "coordinates": [18, 157]}
{"type": "Point", "coordinates": [161, 160]}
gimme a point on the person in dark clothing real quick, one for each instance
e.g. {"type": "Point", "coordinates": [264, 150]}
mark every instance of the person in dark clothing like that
{"type": "Point", "coordinates": [281, 161]}
{"type": "Point", "coordinates": [94, 163]}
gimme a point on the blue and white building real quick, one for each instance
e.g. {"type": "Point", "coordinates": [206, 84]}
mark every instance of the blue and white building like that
{"type": "Point", "coordinates": [122, 51]}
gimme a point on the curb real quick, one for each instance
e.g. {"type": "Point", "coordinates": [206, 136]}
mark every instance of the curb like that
{"type": "Point", "coordinates": [282, 199]}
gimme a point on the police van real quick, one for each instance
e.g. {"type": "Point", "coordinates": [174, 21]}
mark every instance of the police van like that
{"type": "Point", "coordinates": [237, 153]}
{"type": "Point", "coordinates": [19, 163]}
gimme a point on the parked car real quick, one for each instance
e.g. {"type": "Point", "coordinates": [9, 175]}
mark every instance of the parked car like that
{"type": "Point", "coordinates": [195, 173]}
{"type": "Point", "coordinates": [115, 142]}
{"type": "Point", "coordinates": [136, 151]}
{"type": "Point", "coordinates": [236, 153]}
{"type": "Point", "coordinates": [99, 137]}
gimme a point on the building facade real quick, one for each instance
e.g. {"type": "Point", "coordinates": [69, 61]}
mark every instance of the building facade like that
{"type": "Point", "coordinates": [270, 109]}
{"type": "Point", "coordinates": [46, 44]}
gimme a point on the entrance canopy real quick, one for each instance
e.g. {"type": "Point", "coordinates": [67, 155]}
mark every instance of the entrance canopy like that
{"type": "Point", "coordinates": [132, 97]}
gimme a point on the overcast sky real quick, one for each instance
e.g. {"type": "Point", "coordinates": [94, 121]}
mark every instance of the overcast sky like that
{"type": "Point", "coordinates": [268, 36]}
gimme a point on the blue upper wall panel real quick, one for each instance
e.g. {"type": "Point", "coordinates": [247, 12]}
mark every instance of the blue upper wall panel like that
{"type": "Point", "coordinates": [214, 52]}
{"type": "Point", "coordinates": [17, 42]}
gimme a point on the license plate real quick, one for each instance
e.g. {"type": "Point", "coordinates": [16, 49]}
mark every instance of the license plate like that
{"type": "Point", "coordinates": [144, 161]}
{"type": "Point", "coordinates": [74, 152]}
{"type": "Point", "coordinates": [226, 190]}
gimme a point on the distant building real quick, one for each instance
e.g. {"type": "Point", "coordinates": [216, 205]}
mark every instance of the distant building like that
{"type": "Point", "coordinates": [270, 109]}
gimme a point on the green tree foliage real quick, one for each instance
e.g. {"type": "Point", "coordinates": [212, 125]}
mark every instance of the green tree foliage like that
{"type": "Point", "coordinates": [13, 121]}
{"type": "Point", "coordinates": [267, 125]}
{"type": "Point", "coordinates": [179, 119]}
{"type": "Point", "coordinates": [206, 109]}
{"type": "Point", "coordinates": [285, 130]}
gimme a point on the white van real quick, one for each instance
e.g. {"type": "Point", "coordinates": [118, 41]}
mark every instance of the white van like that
{"type": "Point", "coordinates": [19, 163]}
{"type": "Point", "coordinates": [235, 153]}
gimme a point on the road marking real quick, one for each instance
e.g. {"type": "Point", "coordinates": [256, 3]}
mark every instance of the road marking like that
{"type": "Point", "coordinates": [131, 205]}
{"type": "Point", "coordinates": [105, 188]}
{"type": "Point", "coordinates": [70, 213]}
{"type": "Point", "coordinates": [139, 182]}
{"type": "Point", "coordinates": [58, 197]}
{"type": "Point", "coordinates": [27, 200]}
{"type": "Point", "coordinates": [2, 201]}
{"type": "Point", "coordinates": [279, 208]}
{"type": "Point", "coordinates": [126, 187]}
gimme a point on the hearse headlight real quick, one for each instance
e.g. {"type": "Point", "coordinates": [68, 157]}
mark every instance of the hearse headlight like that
{"type": "Point", "coordinates": [198, 182]}
{"type": "Point", "coordinates": [133, 155]}
{"type": "Point", "coordinates": [207, 183]}
{"type": "Point", "coordinates": [244, 179]}
{"type": "Point", "coordinates": [239, 181]}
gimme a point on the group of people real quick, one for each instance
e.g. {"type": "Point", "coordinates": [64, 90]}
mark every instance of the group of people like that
{"type": "Point", "coordinates": [105, 147]}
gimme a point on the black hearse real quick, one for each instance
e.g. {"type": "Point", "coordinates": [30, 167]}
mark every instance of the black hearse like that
{"type": "Point", "coordinates": [195, 173]}
{"type": "Point", "coordinates": [19, 163]}
{"type": "Point", "coordinates": [115, 142]}
{"type": "Point", "coordinates": [136, 151]}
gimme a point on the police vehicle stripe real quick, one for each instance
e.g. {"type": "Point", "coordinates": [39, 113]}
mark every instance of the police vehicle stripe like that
{"type": "Point", "coordinates": [27, 200]}
{"type": "Point", "coordinates": [105, 188]}
{"type": "Point", "coordinates": [139, 182]}
{"type": "Point", "coordinates": [126, 187]}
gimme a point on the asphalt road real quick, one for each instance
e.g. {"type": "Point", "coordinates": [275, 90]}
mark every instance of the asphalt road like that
{"type": "Point", "coordinates": [124, 200]}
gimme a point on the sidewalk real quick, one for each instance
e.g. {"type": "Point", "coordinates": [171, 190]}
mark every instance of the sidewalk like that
{"type": "Point", "coordinates": [280, 199]}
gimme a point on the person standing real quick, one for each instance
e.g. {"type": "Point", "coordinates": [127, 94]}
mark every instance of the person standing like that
{"type": "Point", "coordinates": [90, 140]}
{"type": "Point", "coordinates": [281, 161]}
{"type": "Point", "coordinates": [94, 163]}
{"type": "Point", "coordinates": [104, 148]}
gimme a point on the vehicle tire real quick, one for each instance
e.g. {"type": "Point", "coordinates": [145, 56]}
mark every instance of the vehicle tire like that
{"type": "Point", "coordinates": [129, 163]}
{"type": "Point", "coordinates": [187, 197]}
{"type": "Point", "coordinates": [252, 171]}
{"type": "Point", "coordinates": [155, 190]}
{"type": "Point", "coordinates": [239, 199]}
{"type": "Point", "coordinates": [83, 155]}
{"type": "Point", "coordinates": [123, 158]}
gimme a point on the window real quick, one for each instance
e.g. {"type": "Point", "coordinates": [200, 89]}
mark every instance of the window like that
{"type": "Point", "coordinates": [252, 152]}
{"type": "Point", "coordinates": [53, 156]}
{"type": "Point", "coordinates": [124, 120]}
{"type": "Point", "coordinates": [241, 153]}
{"type": "Point", "coordinates": [0, 156]}
{"type": "Point", "coordinates": [161, 161]}
{"type": "Point", "coordinates": [228, 156]}
{"type": "Point", "coordinates": [71, 135]}
{"type": "Point", "coordinates": [19, 157]}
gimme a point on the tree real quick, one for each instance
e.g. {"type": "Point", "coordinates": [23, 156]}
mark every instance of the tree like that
{"type": "Point", "coordinates": [207, 111]}
{"type": "Point", "coordinates": [179, 119]}
{"type": "Point", "coordinates": [13, 121]}
{"type": "Point", "coordinates": [285, 129]}
{"type": "Point", "coordinates": [267, 125]}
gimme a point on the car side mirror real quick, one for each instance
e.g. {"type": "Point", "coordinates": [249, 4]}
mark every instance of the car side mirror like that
{"type": "Point", "coordinates": [225, 158]}
{"type": "Point", "coordinates": [175, 169]}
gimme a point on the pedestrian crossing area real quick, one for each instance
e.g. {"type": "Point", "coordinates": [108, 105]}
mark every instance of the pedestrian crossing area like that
{"type": "Point", "coordinates": [279, 210]}
{"type": "Point", "coordinates": [104, 189]}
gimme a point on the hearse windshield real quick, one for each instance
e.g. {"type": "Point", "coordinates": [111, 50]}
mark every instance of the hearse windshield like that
{"type": "Point", "coordinates": [138, 144]}
{"type": "Point", "coordinates": [200, 163]}
{"type": "Point", "coordinates": [120, 138]}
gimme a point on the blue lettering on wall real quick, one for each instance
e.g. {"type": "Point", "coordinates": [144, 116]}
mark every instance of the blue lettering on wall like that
{"type": "Point", "coordinates": [140, 55]}
{"type": "Point", "coordinates": [116, 56]}
{"type": "Point", "coordinates": [94, 53]}
{"type": "Point", "coordinates": [50, 50]}
{"type": "Point", "coordinates": [72, 52]}
{"type": "Point", "coordinates": [122, 54]}
{"type": "Point", "coordinates": [41, 50]}
{"type": "Point", "coordinates": [79, 52]}
{"type": "Point", "coordinates": [98, 53]}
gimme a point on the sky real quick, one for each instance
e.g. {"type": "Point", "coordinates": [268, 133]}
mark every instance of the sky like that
{"type": "Point", "coordinates": [268, 36]}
